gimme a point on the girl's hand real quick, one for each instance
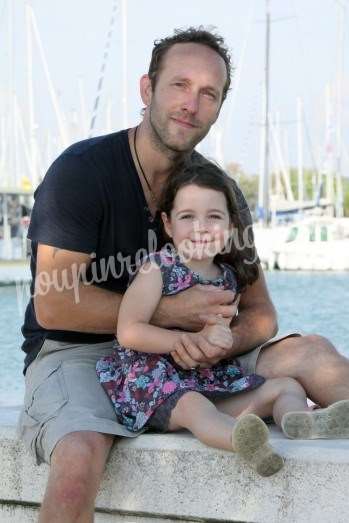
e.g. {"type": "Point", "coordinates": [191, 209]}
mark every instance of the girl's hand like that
{"type": "Point", "coordinates": [217, 332]}
{"type": "Point", "coordinates": [193, 350]}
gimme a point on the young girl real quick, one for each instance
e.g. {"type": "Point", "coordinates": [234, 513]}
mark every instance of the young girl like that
{"type": "Point", "coordinates": [148, 389]}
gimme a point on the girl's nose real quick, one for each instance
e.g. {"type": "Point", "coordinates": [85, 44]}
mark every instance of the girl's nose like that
{"type": "Point", "coordinates": [201, 225]}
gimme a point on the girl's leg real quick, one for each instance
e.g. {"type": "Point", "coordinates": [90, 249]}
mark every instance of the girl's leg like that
{"type": "Point", "coordinates": [248, 436]}
{"type": "Point", "coordinates": [285, 399]}
{"type": "Point", "coordinates": [275, 397]}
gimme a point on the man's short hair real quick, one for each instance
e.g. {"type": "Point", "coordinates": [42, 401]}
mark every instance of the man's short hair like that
{"type": "Point", "coordinates": [197, 35]}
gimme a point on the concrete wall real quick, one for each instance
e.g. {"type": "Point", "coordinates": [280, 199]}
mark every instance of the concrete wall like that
{"type": "Point", "coordinates": [158, 478]}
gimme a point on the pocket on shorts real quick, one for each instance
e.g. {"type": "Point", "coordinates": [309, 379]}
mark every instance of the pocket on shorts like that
{"type": "Point", "coordinates": [48, 397]}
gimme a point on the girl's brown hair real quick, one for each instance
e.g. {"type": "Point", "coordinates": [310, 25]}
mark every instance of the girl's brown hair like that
{"type": "Point", "coordinates": [208, 175]}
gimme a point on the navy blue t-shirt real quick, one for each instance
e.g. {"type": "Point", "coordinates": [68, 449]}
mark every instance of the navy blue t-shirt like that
{"type": "Point", "coordinates": [91, 201]}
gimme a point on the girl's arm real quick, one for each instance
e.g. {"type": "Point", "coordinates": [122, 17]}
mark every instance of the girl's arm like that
{"type": "Point", "coordinates": [136, 310]}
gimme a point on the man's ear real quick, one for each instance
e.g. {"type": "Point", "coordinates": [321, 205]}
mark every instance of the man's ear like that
{"type": "Point", "coordinates": [145, 89]}
{"type": "Point", "coordinates": [167, 224]}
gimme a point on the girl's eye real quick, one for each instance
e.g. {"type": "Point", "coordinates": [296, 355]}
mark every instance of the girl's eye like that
{"type": "Point", "coordinates": [186, 216]}
{"type": "Point", "coordinates": [215, 217]}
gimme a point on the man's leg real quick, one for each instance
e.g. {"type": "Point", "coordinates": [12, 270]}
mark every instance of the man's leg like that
{"type": "Point", "coordinates": [313, 361]}
{"type": "Point", "coordinates": [77, 465]}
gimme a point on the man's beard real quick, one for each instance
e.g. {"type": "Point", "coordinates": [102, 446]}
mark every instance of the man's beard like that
{"type": "Point", "coordinates": [164, 141]}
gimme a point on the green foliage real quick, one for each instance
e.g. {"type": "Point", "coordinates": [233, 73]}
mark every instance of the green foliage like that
{"type": "Point", "coordinates": [248, 183]}
{"type": "Point", "coordinates": [346, 196]}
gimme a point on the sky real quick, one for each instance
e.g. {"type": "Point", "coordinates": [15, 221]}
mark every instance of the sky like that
{"type": "Point", "coordinates": [303, 56]}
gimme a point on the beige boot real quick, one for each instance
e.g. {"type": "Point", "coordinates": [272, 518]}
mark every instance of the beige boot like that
{"type": "Point", "coordinates": [250, 440]}
{"type": "Point", "coordinates": [329, 423]}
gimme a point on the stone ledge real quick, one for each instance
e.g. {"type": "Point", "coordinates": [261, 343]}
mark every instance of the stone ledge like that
{"type": "Point", "coordinates": [171, 477]}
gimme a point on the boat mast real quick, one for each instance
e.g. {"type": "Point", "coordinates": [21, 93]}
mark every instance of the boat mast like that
{"type": "Point", "coordinates": [265, 180]}
{"type": "Point", "coordinates": [124, 65]}
{"type": "Point", "coordinates": [339, 85]}
{"type": "Point", "coordinates": [103, 67]}
{"type": "Point", "coordinates": [300, 151]}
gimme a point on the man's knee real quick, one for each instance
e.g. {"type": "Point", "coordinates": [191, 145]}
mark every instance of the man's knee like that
{"type": "Point", "coordinates": [293, 355]}
{"type": "Point", "coordinates": [317, 349]}
{"type": "Point", "coordinates": [77, 464]}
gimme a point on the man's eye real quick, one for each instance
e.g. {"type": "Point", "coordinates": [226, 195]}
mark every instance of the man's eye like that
{"type": "Point", "coordinates": [210, 95]}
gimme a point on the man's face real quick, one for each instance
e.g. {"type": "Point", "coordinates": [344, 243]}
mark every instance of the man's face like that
{"type": "Point", "coordinates": [187, 96]}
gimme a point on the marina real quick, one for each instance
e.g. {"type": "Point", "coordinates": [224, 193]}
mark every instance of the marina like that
{"type": "Point", "coordinates": [70, 71]}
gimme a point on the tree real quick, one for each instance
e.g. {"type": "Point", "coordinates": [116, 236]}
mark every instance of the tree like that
{"type": "Point", "coordinates": [248, 183]}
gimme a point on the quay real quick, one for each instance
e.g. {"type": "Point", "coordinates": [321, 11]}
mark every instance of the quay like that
{"type": "Point", "coordinates": [158, 478]}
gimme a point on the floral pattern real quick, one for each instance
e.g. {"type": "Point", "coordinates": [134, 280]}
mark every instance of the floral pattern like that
{"type": "Point", "coordinates": [138, 383]}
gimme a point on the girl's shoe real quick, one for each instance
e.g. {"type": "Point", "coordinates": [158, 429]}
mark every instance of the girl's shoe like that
{"type": "Point", "coordinates": [329, 423]}
{"type": "Point", "coordinates": [250, 440]}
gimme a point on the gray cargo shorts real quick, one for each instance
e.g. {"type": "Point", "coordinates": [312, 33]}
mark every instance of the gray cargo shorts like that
{"type": "Point", "coordinates": [63, 395]}
{"type": "Point", "coordinates": [248, 361]}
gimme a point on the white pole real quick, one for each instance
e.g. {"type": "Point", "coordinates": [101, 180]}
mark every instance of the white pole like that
{"type": "Point", "coordinates": [83, 112]}
{"type": "Point", "coordinates": [11, 156]}
{"type": "Point", "coordinates": [289, 194]}
{"type": "Point", "coordinates": [15, 178]}
{"type": "Point", "coordinates": [26, 148]}
{"type": "Point", "coordinates": [231, 101]}
{"type": "Point", "coordinates": [108, 116]}
{"type": "Point", "coordinates": [32, 126]}
{"type": "Point", "coordinates": [261, 161]}
{"type": "Point", "coordinates": [339, 108]}
{"type": "Point", "coordinates": [124, 65]}
{"type": "Point", "coordinates": [286, 156]}
{"type": "Point", "coordinates": [278, 184]}
{"type": "Point", "coordinates": [300, 150]}
{"type": "Point", "coordinates": [329, 148]}
{"type": "Point", "coordinates": [54, 99]}
{"type": "Point", "coordinates": [103, 67]}
{"type": "Point", "coordinates": [3, 144]}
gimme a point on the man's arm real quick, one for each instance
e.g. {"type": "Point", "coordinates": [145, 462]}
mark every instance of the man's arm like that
{"type": "Point", "coordinates": [257, 319]}
{"type": "Point", "coordinates": [255, 324]}
{"type": "Point", "coordinates": [62, 302]}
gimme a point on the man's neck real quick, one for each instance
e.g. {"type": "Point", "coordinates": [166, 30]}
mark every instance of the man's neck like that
{"type": "Point", "coordinates": [157, 161]}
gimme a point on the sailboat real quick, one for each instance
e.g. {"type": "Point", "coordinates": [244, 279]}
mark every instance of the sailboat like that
{"type": "Point", "coordinates": [298, 233]}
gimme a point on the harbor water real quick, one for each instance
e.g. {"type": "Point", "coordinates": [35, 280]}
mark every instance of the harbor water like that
{"type": "Point", "coordinates": [311, 302]}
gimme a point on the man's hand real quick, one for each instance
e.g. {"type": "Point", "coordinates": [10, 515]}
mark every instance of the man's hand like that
{"type": "Point", "coordinates": [205, 348]}
{"type": "Point", "coordinates": [194, 350]}
{"type": "Point", "coordinates": [189, 310]}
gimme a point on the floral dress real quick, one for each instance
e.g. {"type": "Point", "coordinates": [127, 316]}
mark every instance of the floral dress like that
{"type": "Point", "coordinates": [145, 387]}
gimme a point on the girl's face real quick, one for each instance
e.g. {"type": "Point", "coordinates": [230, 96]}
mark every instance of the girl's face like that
{"type": "Point", "coordinates": [199, 224]}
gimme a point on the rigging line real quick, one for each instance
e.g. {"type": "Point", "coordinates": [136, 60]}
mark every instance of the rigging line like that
{"type": "Point", "coordinates": [239, 68]}
{"type": "Point", "coordinates": [315, 163]}
{"type": "Point", "coordinates": [103, 67]}
{"type": "Point", "coordinates": [2, 16]}
{"type": "Point", "coordinates": [303, 53]}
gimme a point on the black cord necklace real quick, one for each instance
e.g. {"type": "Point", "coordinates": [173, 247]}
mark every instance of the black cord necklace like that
{"type": "Point", "coordinates": [141, 169]}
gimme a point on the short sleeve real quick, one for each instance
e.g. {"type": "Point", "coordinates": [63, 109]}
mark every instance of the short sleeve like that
{"type": "Point", "coordinates": [68, 206]}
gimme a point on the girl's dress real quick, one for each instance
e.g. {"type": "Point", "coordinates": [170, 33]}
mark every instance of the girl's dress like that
{"type": "Point", "coordinates": [145, 387]}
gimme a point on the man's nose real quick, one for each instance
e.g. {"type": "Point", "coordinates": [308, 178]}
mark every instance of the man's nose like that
{"type": "Point", "coordinates": [191, 103]}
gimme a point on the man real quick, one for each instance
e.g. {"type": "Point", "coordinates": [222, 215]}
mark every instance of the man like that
{"type": "Point", "coordinates": [93, 212]}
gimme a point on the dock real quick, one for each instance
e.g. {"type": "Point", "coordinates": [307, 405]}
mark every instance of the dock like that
{"type": "Point", "coordinates": [158, 478]}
